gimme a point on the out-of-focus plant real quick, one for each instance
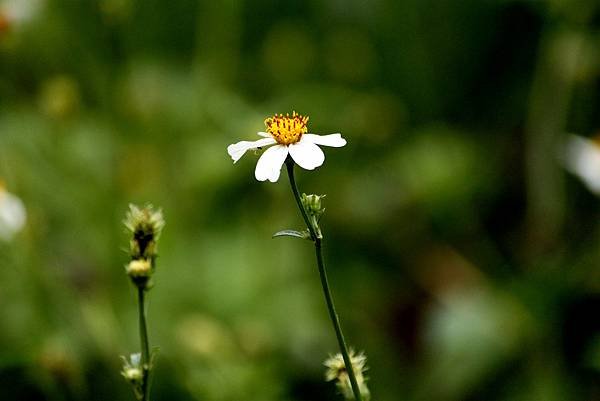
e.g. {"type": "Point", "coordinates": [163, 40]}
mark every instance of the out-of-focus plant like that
{"type": "Point", "coordinates": [145, 225]}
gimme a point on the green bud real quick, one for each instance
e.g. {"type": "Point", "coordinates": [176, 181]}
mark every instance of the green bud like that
{"type": "Point", "coordinates": [314, 209]}
{"type": "Point", "coordinates": [312, 204]}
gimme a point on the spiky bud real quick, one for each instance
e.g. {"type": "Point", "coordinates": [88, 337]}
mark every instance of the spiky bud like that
{"type": "Point", "coordinates": [336, 370]}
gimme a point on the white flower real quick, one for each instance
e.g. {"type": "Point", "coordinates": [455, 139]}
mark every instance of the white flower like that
{"type": "Point", "coordinates": [19, 11]}
{"type": "Point", "coordinates": [290, 137]}
{"type": "Point", "coordinates": [582, 158]}
{"type": "Point", "coordinates": [12, 215]}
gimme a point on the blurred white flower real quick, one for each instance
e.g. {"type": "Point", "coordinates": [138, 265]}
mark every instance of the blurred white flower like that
{"type": "Point", "coordinates": [12, 215]}
{"type": "Point", "coordinates": [17, 12]}
{"type": "Point", "coordinates": [582, 158]}
{"type": "Point", "coordinates": [289, 135]}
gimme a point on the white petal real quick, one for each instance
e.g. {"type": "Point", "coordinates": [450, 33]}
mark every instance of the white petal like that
{"type": "Point", "coordinates": [269, 164]}
{"type": "Point", "coordinates": [583, 159]}
{"type": "Point", "coordinates": [12, 215]}
{"type": "Point", "coordinates": [237, 150]}
{"type": "Point", "coordinates": [265, 134]}
{"type": "Point", "coordinates": [334, 140]}
{"type": "Point", "coordinates": [306, 154]}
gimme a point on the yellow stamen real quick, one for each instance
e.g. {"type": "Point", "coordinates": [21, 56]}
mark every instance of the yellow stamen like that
{"type": "Point", "coordinates": [285, 129]}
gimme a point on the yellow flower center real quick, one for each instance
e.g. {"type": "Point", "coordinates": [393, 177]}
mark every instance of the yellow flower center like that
{"type": "Point", "coordinates": [285, 129]}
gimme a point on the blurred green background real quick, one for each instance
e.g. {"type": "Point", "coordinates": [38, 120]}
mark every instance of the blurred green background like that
{"type": "Point", "coordinates": [464, 260]}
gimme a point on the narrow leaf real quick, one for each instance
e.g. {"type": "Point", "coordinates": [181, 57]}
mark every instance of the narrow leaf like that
{"type": "Point", "coordinates": [292, 233]}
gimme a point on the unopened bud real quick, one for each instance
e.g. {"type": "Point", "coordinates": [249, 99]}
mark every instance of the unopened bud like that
{"type": "Point", "coordinates": [314, 210]}
{"type": "Point", "coordinates": [312, 204]}
{"type": "Point", "coordinates": [132, 374]}
{"type": "Point", "coordinates": [139, 268]}
{"type": "Point", "coordinates": [132, 369]}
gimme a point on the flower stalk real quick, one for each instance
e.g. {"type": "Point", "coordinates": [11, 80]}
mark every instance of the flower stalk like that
{"type": "Point", "coordinates": [312, 222]}
{"type": "Point", "coordinates": [144, 344]}
{"type": "Point", "coordinates": [289, 142]}
{"type": "Point", "coordinates": [145, 225]}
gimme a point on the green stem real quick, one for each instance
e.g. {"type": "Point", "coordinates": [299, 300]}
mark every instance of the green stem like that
{"type": "Point", "coordinates": [144, 344]}
{"type": "Point", "coordinates": [325, 284]}
{"type": "Point", "coordinates": [290, 169]}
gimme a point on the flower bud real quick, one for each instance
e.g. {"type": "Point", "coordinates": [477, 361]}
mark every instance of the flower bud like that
{"type": "Point", "coordinates": [132, 374]}
{"type": "Point", "coordinates": [312, 204]}
{"type": "Point", "coordinates": [145, 225]}
{"type": "Point", "coordinates": [336, 370]}
{"type": "Point", "coordinates": [132, 369]}
{"type": "Point", "coordinates": [314, 209]}
{"type": "Point", "coordinates": [139, 268]}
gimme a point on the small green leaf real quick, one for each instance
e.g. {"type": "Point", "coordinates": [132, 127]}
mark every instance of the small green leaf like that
{"type": "Point", "coordinates": [293, 233]}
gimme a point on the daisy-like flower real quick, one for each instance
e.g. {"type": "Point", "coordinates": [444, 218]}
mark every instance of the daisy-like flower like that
{"type": "Point", "coordinates": [289, 135]}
